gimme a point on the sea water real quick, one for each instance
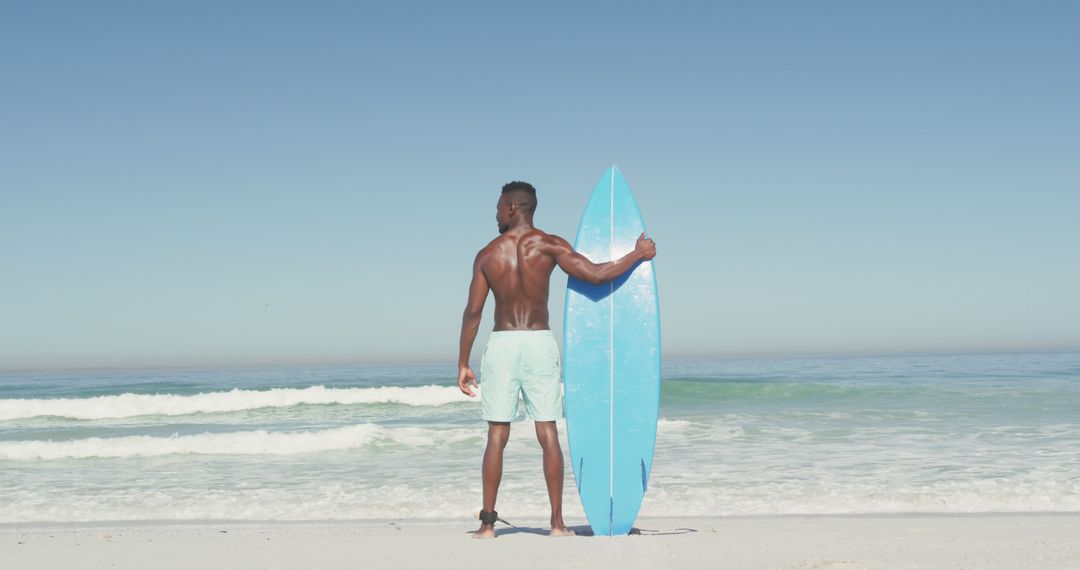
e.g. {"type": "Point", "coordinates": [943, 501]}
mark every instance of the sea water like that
{"type": "Point", "coordinates": [938, 433]}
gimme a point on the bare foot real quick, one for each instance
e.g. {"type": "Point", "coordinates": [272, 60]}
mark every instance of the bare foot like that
{"type": "Point", "coordinates": [562, 531]}
{"type": "Point", "coordinates": [485, 531]}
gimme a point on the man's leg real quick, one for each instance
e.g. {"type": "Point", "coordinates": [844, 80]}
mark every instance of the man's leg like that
{"type": "Point", "coordinates": [548, 436]}
{"type": "Point", "coordinates": [498, 435]}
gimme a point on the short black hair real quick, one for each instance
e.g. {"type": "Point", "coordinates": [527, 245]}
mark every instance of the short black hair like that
{"type": "Point", "coordinates": [521, 193]}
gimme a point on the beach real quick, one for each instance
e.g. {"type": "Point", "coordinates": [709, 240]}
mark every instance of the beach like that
{"type": "Point", "coordinates": [1037, 541]}
{"type": "Point", "coordinates": [901, 461]}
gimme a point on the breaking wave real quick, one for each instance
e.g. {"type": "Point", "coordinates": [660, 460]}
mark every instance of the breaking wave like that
{"type": "Point", "coordinates": [131, 405]}
{"type": "Point", "coordinates": [252, 442]}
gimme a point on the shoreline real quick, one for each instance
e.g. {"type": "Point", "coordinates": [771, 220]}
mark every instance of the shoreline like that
{"type": "Point", "coordinates": [530, 520]}
{"type": "Point", "coordinates": [976, 540]}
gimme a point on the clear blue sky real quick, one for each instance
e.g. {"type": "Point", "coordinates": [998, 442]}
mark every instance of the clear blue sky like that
{"type": "Point", "coordinates": [834, 177]}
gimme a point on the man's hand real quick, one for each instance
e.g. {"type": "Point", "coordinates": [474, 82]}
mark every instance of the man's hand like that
{"type": "Point", "coordinates": [645, 247]}
{"type": "Point", "coordinates": [464, 377]}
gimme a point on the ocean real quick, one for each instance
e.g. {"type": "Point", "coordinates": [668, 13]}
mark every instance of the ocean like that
{"type": "Point", "coordinates": [930, 433]}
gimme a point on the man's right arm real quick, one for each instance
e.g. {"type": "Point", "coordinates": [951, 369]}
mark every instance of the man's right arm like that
{"type": "Point", "coordinates": [470, 324]}
{"type": "Point", "coordinates": [579, 267]}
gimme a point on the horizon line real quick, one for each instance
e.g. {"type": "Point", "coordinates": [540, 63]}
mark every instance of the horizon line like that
{"type": "Point", "coordinates": [680, 356]}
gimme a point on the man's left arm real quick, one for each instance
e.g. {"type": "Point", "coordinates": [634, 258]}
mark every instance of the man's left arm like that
{"type": "Point", "coordinates": [470, 324]}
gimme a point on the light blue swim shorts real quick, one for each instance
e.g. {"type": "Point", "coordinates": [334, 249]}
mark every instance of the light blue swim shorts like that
{"type": "Point", "coordinates": [525, 362]}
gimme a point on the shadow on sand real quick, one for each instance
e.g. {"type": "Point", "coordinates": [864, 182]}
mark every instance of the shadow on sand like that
{"type": "Point", "coordinates": [582, 530]}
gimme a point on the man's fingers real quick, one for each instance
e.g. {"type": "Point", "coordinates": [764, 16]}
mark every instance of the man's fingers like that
{"type": "Point", "coordinates": [466, 377]}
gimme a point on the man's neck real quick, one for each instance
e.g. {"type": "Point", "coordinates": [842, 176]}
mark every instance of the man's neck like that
{"type": "Point", "coordinates": [522, 227]}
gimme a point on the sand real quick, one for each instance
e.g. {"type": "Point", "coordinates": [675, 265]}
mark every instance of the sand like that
{"type": "Point", "coordinates": [1043, 541]}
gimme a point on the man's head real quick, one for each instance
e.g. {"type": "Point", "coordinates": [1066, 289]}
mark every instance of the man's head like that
{"type": "Point", "coordinates": [518, 200]}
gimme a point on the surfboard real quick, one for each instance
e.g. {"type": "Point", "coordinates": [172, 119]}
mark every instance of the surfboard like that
{"type": "Point", "coordinates": [611, 364]}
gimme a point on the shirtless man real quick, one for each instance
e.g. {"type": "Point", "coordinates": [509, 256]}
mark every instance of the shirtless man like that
{"type": "Point", "coordinates": [521, 354]}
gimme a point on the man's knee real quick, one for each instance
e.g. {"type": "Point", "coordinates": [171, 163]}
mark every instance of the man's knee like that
{"type": "Point", "coordinates": [547, 433]}
{"type": "Point", "coordinates": [498, 433]}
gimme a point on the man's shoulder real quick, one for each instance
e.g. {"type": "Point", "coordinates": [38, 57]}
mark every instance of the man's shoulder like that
{"type": "Point", "coordinates": [539, 242]}
{"type": "Point", "coordinates": [493, 244]}
{"type": "Point", "coordinates": [536, 236]}
{"type": "Point", "coordinates": [491, 248]}
{"type": "Point", "coordinates": [548, 240]}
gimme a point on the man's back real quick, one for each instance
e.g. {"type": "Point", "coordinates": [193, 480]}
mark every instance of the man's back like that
{"type": "Point", "coordinates": [518, 267]}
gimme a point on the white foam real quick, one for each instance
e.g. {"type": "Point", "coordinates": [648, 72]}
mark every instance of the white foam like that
{"type": "Point", "coordinates": [254, 442]}
{"type": "Point", "coordinates": [523, 494]}
{"type": "Point", "coordinates": [131, 405]}
{"type": "Point", "coordinates": [666, 425]}
{"type": "Point", "coordinates": [880, 497]}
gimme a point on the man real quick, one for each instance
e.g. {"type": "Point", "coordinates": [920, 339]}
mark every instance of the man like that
{"type": "Point", "coordinates": [521, 354]}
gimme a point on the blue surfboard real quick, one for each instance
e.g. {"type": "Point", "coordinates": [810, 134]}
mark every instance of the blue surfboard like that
{"type": "Point", "coordinates": [611, 364]}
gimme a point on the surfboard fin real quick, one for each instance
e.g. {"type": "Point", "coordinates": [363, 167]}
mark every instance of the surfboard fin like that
{"type": "Point", "coordinates": [644, 476]}
{"type": "Point", "coordinates": [611, 516]}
